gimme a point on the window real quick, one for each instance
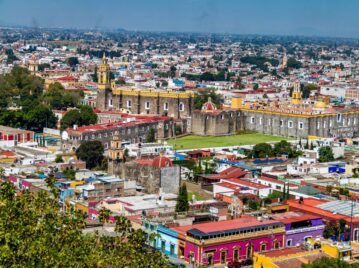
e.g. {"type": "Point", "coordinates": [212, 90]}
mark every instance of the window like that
{"type": "Point", "coordinates": [129, 104]}
{"type": "Point", "coordinates": [344, 121]}
{"type": "Point", "coordinates": [276, 244]}
{"type": "Point", "coordinates": [263, 247]}
{"type": "Point", "coordinates": [260, 120]}
{"type": "Point", "coordinates": [181, 107]}
{"type": "Point", "coordinates": [172, 250]}
{"type": "Point", "coordinates": [281, 123]}
{"type": "Point", "coordinates": [356, 234]}
{"type": "Point", "coordinates": [163, 245]}
{"type": "Point", "coordinates": [269, 122]}
{"type": "Point", "coordinates": [330, 123]}
{"type": "Point", "coordinates": [165, 106]}
{"type": "Point", "coordinates": [249, 251]}
{"type": "Point", "coordinates": [324, 124]}
{"type": "Point", "coordinates": [289, 242]}
{"type": "Point", "coordinates": [223, 257]}
{"type": "Point", "coordinates": [252, 120]}
{"type": "Point", "coordinates": [236, 254]}
{"type": "Point", "coordinates": [290, 124]}
{"type": "Point", "coordinates": [110, 102]}
{"type": "Point", "coordinates": [147, 105]}
{"type": "Point", "coordinates": [210, 258]}
{"type": "Point", "coordinates": [300, 125]}
{"type": "Point", "coordinates": [318, 125]}
{"type": "Point", "coordinates": [354, 121]}
{"type": "Point", "coordinates": [339, 117]}
{"type": "Point", "coordinates": [349, 121]}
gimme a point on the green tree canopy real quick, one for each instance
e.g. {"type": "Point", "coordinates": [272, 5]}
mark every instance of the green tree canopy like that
{"type": "Point", "coordinates": [151, 137]}
{"type": "Point", "coordinates": [44, 236]}
{"type": "Point", "coordinates": [326, 262]}
{"type": "Point", "coordinates": [262, 150]}
{"type": "Point", "coordinates": [80, 117]}
{"type": "Point", "coordinates": [72, 61]}
{"type": "Point", "coordinates": [326, 154]}
{"type": "Point", "coordinates": [182, 199]}
{"type": "Point", "coordinates": [91, 152]}
{"type": "Point", "coordinates": [39, 117]}
{"type": "Point", "coordinates": [58, 98]}
{"type": "Point", "coordinates": [293, 63]}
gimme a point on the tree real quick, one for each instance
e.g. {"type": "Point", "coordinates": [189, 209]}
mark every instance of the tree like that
{"type": "Point", "coordinates": [70, 173]}
{"type": "Point", "coordinates": [164, 83]}
{"type": "Point", "coordinates": [41, 67]}
{"type": "Point", "coordinates": [262, 150]}
{"type": "Point", "coordinates": [283, 147]}
{"type": "Point", "coordinates": [59, 159]}
{"type": "Point", "coordinates": [81, 117]}
{"type": "Point", "coordinates": [255, 86]}
{"type": "Point", "coordinates": [326, 262]}
{"type": "Point", "coordinates": [57, 98]}
{"type": "Point", "coordinates": [329, 230]}
{"type": "Point", "coordinates": [10, 56]}
{"type": "Point", "coordinates": [182, 199]}
{"type": "Point", "coordinates": [39, 117]}
{"type": "Point", "coordinates": [326, 154]}
{"type": "Point", "coordinates": [91, 152]}
{"type": "Point", "coordinates": [104, 215]}
{"type": "Point", "coordinates": [94, 75]}
{"type": "Point", "coordinates": [72, 61]}
{"type": "Point", "coordinates": [253, 205]}
{"type": "Point", "coordinates": [151, 137]}
{"type": "Point", "coordinates": [44, 236]}
{"type": "Point", "coordinates": [293, 63]}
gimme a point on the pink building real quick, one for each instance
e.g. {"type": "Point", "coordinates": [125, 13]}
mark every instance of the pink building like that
{"type": "Point", "coordinates": [217, 243]}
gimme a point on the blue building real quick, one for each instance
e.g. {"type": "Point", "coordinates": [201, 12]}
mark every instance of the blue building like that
{"type": "Point", "coordinates": [167, 241]}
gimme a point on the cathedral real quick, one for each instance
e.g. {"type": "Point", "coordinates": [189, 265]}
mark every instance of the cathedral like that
{"type": "Point", "coordinates": [295, 118]}
{"type": "Point", "coordinates": [135, 101]}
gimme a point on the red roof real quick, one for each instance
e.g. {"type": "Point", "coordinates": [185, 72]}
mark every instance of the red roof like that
{"type": "Point", "coordinates": [309, 205]}
{"type": "Point", "coordinates": [161, 162]}
{"type": "Point", "coordinates": [289, 217]}
{"type": "Point", "coordinates": [283, 252]}
{"type": "Point", "coordinates": [229, 173]}
{"type": "Point", "coordinates": [114, 125]}
{"type": "Point", "coordinates": [244, 221]}
{"type": "Point", "coordinates": [7, 154]}
{"type": "Point", "coordinates": [67, 78]}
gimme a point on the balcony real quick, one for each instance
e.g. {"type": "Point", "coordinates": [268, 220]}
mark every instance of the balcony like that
{"type": "Point", "coordinates": [305, 229]}
{"type": "Point", "coordinates": [238, 237]}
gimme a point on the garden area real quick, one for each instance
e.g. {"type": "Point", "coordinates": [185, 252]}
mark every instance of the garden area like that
{"type": "Point", "coordinates": [196, 142]}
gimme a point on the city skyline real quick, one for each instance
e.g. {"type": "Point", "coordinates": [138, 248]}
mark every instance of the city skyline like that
{"type": "Point", "coordinates": [277, 17]}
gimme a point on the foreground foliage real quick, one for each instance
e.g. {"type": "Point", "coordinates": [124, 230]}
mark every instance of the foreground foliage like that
{"type": "Point", "coordinates": [35, 233]}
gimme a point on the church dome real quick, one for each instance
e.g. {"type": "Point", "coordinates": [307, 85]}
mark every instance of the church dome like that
{"type": "Point", "coordinates": [320, 104]}
{"type": "Point", "coordinates": [161, 162]}
{"type": "Point", "coordinates": [209, 106]}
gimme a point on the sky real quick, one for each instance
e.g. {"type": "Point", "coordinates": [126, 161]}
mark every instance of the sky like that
{"type": "Point", "coordinates": [338, 18]}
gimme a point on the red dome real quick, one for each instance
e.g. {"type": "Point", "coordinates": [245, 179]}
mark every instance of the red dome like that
{"type": "Point", "coordinates": [161, 162]}
{"type": "Point", "coordinates": [209, 106]}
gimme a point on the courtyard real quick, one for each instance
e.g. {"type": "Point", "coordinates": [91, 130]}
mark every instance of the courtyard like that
{"type": "Point", "coordinates": [196, 142]}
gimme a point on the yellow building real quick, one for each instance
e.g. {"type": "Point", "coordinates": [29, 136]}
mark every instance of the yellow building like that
{"type": "Point", "coordinates": [297, 94]}
{"type": "Point", "coordinates": [295, 256]}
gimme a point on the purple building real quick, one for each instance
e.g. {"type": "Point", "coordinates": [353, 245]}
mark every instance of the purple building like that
{"type": "Point", "coordinates": [300, 226]}
{"type": "Point", "coordinates": [217, 243]}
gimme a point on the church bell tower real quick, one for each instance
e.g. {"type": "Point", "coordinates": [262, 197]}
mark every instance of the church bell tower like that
{"type": "Point", "coordinates": [104, 85]}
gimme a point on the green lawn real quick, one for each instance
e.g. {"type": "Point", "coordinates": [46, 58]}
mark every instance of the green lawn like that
{"type": "Point", "coordinates": [192, 142]}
